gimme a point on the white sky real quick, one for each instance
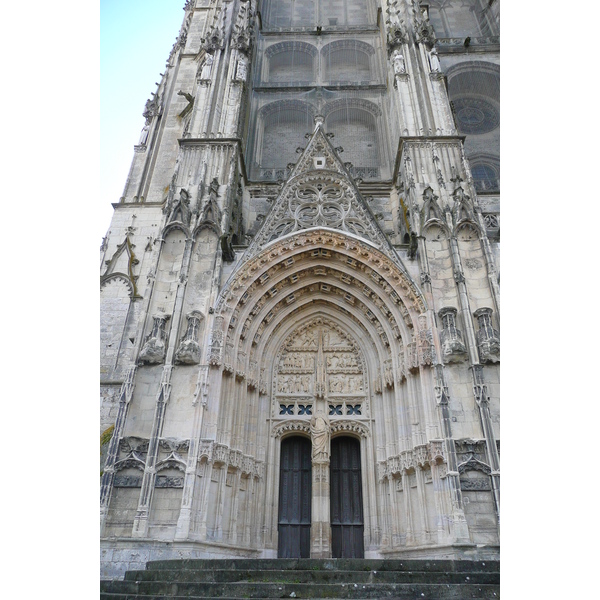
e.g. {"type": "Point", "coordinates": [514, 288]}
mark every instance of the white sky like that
{"type": "Point", "coordinates": [136, 37]}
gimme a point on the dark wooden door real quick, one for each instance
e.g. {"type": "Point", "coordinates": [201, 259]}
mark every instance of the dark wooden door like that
{"type": "Point", "coordinates": [295, 479]}
{"type": "Point", "coordinates": [347, 525]}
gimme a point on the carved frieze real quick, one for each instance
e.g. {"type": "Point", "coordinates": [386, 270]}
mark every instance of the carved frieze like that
{"type": "Point", "coordinates": [421, 456]}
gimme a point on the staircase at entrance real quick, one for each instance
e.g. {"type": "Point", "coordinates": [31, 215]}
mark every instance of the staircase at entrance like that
{"type": "Point", "coordinates": [309, 578]}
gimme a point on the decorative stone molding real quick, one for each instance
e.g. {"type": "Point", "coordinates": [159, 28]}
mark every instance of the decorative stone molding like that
{"type": "Point", "coordinates": [215, 39]}
{"type": "Point", "coordinates": [113, 265]}
{"type": "Point", "coordinates": [451, 338]}
{"type": "Point", "coordinates": [216, 345]}
{"type": "Point", "coordinates": [424, 32]}
{"type": "Point", "coordinates": [127, 481]}
{"type": "Point", "coordinates": [421, 456]}
{"type": "Point", "coordinates": [134, 450]}
{"type": "Point", "coordinates": [396, 28]}
{"type": "Point", "coordinates": [463, 206]}
{"type": "Point", "coordinates": [242, 34]}
{"type": "Point", "coordinates": [426, 349]}
{"type": "Point", "coordinates": [180, 209]}
{"type": "Point", "coordinates": [391, 273]}
{"type": "Point", "coordinates": [322, 197]}
{"type": "Point", "coordinates": [350, 426]}
{"type": "Point", "coordinates": [488, 338]}
{"type": "Point", "coordinates": [431, 209]}
{"type": "Point", "coordinates": [189, 351]}
{"type": "Point", "coordinates": [155, 347]}
{"type": "Point", "coordinates": [290, 426]}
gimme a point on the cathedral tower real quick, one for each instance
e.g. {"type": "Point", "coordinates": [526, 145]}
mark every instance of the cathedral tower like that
{"type": "Point", "coordinates": [300, 289]}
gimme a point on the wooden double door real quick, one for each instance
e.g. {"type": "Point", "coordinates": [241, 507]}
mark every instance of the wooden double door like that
{"type": "Point", "coordinates": [295, 496]}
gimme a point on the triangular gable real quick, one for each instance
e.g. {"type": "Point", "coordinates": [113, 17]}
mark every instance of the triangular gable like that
{"type": "Point", "coordinates": [122, 262]}
{"type": "Point", "coordinates": [320, 193]}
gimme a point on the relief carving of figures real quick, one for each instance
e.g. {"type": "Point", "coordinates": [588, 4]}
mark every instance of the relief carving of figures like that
{"type": "Point", "coordinates": [156, 344]}
{"type": "Point", "coordinates": [319, 433]}
{"type": "Point", "coordinates": [341, 384]}
{"type": "Point", "coordinates": [342, 362]}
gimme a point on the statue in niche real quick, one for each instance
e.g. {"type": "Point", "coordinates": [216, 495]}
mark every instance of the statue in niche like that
{"type": "Point", "coordinates": [207, 66]}
{"type": "Point", "coordinates": [398, 62]}
{"type": "Point", "coordinates": [242, 68]}
{"type": "Point", "coordinates": [319, 432]}
{"type": "Point", "coordinates": [434, 61]}
{"type": "Point", "coordinates": [144, 134]}
{"type": "Point", "coordinates": [181, 208]}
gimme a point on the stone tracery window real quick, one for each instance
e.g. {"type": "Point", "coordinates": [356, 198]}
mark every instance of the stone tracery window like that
{"type": "Point", "coordinates": [284, 124]}
{"type": "Point", "coordinates": [462, 18]}
{"type": "Point", "coordinates": [310, 13]}
{"type": "Point", "coordinates": [355, 130]}
{"type": "Point", "coordinates": [347, 61]}
{"type": "Point", "coordinates": [291, 62]}
{"type": "Point", "coordinates": [486, 174]}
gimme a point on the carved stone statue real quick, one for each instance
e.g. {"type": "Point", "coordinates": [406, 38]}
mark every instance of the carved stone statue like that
{"type": "Point", "coordinates": [242, 68]}
{"type": "Point", "coordinates": [319, 431]}
{"type": "Point", "coordinates": [434, 61]}
{"type": "Point", "coordinates": [398, 62]}
{"type": "Point", "coordinates": [207, 66]}
{"type": "Point", "coordinates": [144, 134]}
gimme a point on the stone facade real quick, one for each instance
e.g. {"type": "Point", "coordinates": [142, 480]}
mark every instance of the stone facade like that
{"type": "Point", "coordinates": [302, 249]}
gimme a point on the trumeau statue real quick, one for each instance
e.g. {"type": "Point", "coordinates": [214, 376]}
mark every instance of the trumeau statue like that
{"type": "Point", "coordinates": [319, 431]}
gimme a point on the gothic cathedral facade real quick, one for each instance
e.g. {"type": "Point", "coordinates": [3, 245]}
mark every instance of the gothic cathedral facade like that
{"type": "Point", "coordinates": [300, 289]}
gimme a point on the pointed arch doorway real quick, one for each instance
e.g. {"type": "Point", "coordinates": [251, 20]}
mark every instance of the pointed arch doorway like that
{"type": "Point", "coordinates": [347, 523]}
{"type": "Point", "coordinates": [295, 489]}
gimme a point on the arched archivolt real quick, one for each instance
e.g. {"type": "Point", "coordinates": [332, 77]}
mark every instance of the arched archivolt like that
{"type": "Point", "coordinates": [289, 105]}
{"type": "Point", "coordinates": [356, 103]}
{"type": "Point", "coordinates": [357, 45]}
{"type": "Point", "coordinates": [310, 271]}
{"type": "Point", "coordinates": [471, 66]}
{"type": "Point", "coordinates": [176, 225]}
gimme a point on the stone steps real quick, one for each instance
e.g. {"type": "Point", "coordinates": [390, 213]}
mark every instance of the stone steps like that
{"type": "Point", "coordinates": [309, 578]}
{"type": "Point", "coordinates": [298, 576]}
